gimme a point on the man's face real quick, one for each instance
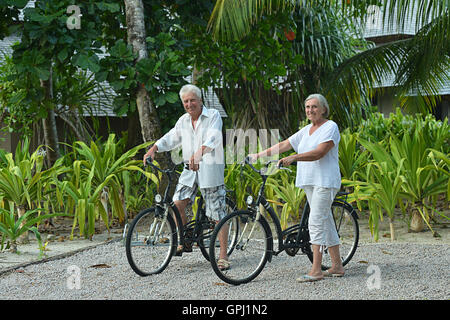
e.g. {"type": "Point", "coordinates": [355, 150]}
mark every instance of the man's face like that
{"type": "Point", "coordinates": [192, 104]}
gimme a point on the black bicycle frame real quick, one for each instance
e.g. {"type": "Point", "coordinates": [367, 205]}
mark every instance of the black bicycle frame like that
{"type": "Point", "coordinates": [302, 238]}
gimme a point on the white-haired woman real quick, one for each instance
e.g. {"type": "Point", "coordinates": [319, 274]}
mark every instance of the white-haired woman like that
{"type": "Point", "coordinates": [318, 174]}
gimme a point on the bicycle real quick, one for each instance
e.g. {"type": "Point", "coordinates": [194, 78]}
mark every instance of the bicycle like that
{"type": "Point", "coordinates": [153, 235]}
{"type": "Point", "coordinates": [254, 245]}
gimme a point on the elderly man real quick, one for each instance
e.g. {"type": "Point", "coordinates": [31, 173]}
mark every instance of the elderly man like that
{"type": "Point", "coordinates": [199, 133]}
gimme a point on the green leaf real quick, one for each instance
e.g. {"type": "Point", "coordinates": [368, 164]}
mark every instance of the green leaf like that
{"type": "Point", "coordinates": [171, 97]}
{"type": "Point", "coordinates": [111, 7]}
{"type": "Point", "coordinates": [43, 74]}
{"type": "Point", "coordinates": [160, 100]}
{"type": "Point", "coordinates": [62, 55]}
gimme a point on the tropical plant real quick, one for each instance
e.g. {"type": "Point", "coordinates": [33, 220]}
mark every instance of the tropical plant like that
{"type": "Point", "coordinates": [421, 181]}
{"type": "Point", "coordinates": [235, 181]}
{"type": "Point", "coordinates": [416, 67]}
{"type": "Point", "coordinates": [381, 187]}
{"type": "Point", "coordinates": [441, 162]}
{"type": "Point", "coordinates": [23, 180]}
{"type": "Point", "coordinates": [291, 196]}
{"type": "Point", "coordinates": [351, 156]}
{"type": "Point", "coordinates": [14, 228]}
{"type": "Point", "coordinates": [140, 193]}
{"type": "Point", "coordinates": [87, 200]}
{"type": "Point", "coordinates": [102, 170]}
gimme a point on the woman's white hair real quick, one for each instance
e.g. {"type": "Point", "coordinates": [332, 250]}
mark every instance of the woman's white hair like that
{"type": "Point", "coordinates": [322, 102]}
{"type": "Point", "coordinates": [190, 88]}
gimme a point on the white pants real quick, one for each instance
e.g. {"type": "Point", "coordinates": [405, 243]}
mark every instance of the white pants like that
{"type": "Point", "coordinates": [322, 229]}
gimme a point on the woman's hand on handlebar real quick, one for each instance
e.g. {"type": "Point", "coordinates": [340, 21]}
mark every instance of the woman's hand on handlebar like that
{"type": "Point", "coordinates": [251, 158]}
{"type": "Point", "coordinates": [287, 161]}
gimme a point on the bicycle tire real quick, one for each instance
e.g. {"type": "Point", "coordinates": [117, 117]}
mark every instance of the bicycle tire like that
{"type": "Point", "coordinates": [207, 228]}
{"type": "Point", "coordinates": [348, 230]}
{"type": "Point", "coordinates": [248, 253]}
{"type": "Point", "coordinates": [151, 242]}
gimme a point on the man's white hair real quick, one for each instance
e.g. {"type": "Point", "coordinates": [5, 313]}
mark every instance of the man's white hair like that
{"type": "Point", "coordinates": [190, 88]}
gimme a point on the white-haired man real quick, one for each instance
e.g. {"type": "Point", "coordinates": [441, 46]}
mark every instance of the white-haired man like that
{"type": "Point", "coordinates": [199, 133]}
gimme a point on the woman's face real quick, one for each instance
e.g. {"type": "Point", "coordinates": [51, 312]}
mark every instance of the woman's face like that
{"type": "Point", "coordinates": [314, 112]}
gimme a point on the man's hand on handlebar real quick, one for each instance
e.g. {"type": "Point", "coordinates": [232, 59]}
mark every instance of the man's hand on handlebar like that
{"type": "Point", "coordinates": [150, 155]}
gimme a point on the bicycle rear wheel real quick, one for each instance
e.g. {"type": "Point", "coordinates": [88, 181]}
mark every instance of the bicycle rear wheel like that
{"type": "Point", "coordinates": [248, 247]}
{"type": "Point", "coordinates": [151, 241]}
{"type": "Point", "coordinates": [348, 230]}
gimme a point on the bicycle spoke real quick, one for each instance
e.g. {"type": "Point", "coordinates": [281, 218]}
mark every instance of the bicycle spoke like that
{"type": "Point", "coordinates": [248, 253]}
{"type": "Point", "coordinates": [150, 243]}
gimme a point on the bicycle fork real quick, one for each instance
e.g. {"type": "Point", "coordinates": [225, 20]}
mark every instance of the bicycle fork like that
{"type": "Point", "coordinates": [250, 234]}
{"type": "Point", "coordinates": [157, 227]}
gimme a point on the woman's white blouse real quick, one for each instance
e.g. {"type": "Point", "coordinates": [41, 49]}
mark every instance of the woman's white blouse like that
{"type": "Point", "coordinates": [325, 171]}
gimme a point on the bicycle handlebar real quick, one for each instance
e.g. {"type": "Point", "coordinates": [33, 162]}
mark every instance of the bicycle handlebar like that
{"type": "Point", "coordinates": [260, 172]}
{"type": "Point", "coordinates": [149, 162]}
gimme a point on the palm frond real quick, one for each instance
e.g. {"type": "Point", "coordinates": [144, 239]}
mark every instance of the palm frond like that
{"type": "Point", "coordinates": [232, 19]}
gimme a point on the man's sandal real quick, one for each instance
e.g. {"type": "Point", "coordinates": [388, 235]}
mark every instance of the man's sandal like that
{"type": "Point", "coordinates": [223, 264]}
{"type": "Point", "coordinates": [181, 249]}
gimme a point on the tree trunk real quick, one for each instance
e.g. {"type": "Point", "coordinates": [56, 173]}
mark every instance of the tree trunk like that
{"type": "Point", "coordinates": [148, 117]}
{"type": "Point", "coordinates": [134, 130]}
{"type": "Point", "coordinates": [392, 230]}
{"type": "Point", "coordinates": [417, 224]}
{"type": "Point", "coordinates": [150, 126]}
{"type": "Point", "coordinates": [49, 123]}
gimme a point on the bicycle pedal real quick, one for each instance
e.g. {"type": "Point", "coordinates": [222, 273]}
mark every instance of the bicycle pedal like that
{"type": "Point", "coordinates": [179, 252]}
{"type": "Point", "coordinates": [164, 240]}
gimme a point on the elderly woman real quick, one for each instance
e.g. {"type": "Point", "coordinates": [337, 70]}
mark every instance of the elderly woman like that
{"type": "Point", "coordinates": [318, 174]}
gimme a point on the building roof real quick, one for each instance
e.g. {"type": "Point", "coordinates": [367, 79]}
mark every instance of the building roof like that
{"type": "Point", "coordinates": [379, 31]}
{"type": "Point", "coordinates": [375, 26]}
{"type": "Point", "coordinates": [6, 44]}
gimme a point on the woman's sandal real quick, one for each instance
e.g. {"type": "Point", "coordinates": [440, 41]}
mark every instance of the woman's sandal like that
{"type": "Point", "coordinates": [308, 278]}
{"type": "Point", "coordinates": [327, 273]}
{"type": "Point", "coordinates": [223, 264]}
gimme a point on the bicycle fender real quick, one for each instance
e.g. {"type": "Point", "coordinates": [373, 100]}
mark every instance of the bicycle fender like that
{"type": "Point", "coordinates": [269, 238]}
{"type": "Point", "coordinates": [349, 207]}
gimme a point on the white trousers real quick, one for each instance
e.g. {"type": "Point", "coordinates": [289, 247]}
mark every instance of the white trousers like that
{"type": "Point", "coordinates": [322, 229]}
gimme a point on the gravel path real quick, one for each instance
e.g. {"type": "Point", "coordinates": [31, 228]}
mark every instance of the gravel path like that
{"type": "Point", "coordinates": [377, 271]}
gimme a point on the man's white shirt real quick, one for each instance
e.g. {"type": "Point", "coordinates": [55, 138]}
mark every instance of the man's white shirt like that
{"type": "Point", "coordinates": [208, 133]}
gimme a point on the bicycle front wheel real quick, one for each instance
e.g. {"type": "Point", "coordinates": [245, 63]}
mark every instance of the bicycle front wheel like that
{"type": "Point", "coordinates": [151, 242]}
{"type": "Point", "coordinates": [207, 229]}
{"type": "Point", "coordinates": [248, 244]}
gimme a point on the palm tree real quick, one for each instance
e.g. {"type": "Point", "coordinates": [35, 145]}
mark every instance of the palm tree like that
{"type": "Point", "coordinates": [419, 63]}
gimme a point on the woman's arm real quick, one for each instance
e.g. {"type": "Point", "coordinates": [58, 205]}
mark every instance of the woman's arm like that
{"type": "Point", "coordinates": [281, 147]}
{"type": "Point", "coordinates": [313, 155]}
